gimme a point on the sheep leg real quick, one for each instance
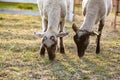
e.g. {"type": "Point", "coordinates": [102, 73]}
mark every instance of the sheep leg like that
{"type": "Point", "coordinates": [42, 50]}
{"type": "Point", "coordinates": [101, 25]}
{"type": "Point", "coordinates": [61, 46]}
{"type": "Point", "coordinates": [44, 26]}
{"type": "Point", "coordinates": [62, 50]}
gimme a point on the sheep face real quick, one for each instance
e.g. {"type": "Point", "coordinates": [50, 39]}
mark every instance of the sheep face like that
{"type": "Point", "coordinates": [82, 42]}
{"type": "Point", "coordinates": [81, 39]}
{"type": "Point", "coordinates": [49, 41]}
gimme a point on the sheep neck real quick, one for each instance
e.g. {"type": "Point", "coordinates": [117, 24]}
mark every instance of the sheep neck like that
{"type": "Point", "coordinates": [89, 21]}
{"type": "Point", "coordinates": [54, 19]}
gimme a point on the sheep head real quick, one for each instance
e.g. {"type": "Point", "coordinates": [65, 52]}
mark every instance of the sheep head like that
{"type": "Point", "coordinates": [81, 39]}
{"type": "Point", "coordinates": [50, 40]}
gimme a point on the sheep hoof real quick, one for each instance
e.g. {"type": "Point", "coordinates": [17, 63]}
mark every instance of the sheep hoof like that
{"type": "Point", "coordinates": [97, 52]}
{"type": "Point", "coordinates": [62, 50]}
{"type": "Point", "coordinates": [42, 52]}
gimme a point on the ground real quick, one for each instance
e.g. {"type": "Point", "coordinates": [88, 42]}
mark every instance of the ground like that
{"type": "Point", "coordinates": [20, 59]}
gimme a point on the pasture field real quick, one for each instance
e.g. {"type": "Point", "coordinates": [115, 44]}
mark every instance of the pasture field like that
{"type": "Point", "coordinates": [18, 6]}
{"type": "Point", "coordinates": [20, 60]}
{"type": "Point", "coordinates": [26, 6]}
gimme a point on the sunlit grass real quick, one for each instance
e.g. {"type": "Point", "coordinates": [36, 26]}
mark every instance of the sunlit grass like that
{"type": "Point", "coordinates": [20, 60]}
{"type": "Point", "coordinates": [18, 6]}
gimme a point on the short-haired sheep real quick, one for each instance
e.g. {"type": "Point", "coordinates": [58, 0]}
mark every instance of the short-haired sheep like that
{"type": "Point", "coordinates": [94, 11]}
{"type": "Point", "coordinates": [53, 22]}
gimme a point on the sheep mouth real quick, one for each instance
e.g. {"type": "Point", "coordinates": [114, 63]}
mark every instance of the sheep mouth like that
{"type": "Point", "coordinates": [51, 52]}
{"type": "Point", "coordinates": [80, 50]}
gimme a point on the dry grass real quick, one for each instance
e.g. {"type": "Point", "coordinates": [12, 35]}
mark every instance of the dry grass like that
{"type": "Point", "coordinates": [20, 60]}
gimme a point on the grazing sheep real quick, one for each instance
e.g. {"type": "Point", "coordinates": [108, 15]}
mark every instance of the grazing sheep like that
{"type": "Point", "coordinates": [94, 11]}
{"type": "Point", "coordinates": [53, 22]}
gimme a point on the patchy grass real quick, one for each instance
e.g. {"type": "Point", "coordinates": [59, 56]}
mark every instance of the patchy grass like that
{"type": "Point", "coordinates": [18, 6]}
{"type": "Point", "coordinates": [78, 9]}
{"type": "Point", "coordinates": [20, 60]}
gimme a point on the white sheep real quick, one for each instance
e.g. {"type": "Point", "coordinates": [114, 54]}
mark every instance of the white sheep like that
{"type": "Point", "coordinates": [53, 22]}
{"type": "Point", "coordinates": [94, 11]}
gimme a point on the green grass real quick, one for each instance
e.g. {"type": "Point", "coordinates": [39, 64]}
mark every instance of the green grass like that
{"type": "Point", "coordinates": [20, 60]}
{"type": "Point", "coordinates": [18, 6]}
{"type": "Point", "coordinates": [24, 6]}
{"type": "Point", "coordinates": [78, 9]}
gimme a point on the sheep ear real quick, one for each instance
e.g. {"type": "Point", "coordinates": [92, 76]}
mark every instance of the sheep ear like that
{"type": "Point", "coordinates": [62, 34]}
{"type": "Point", "coordinates": [75, 27]}
{"type": "Point", "coordinates": [94, 33]}
{"type": "Point", "coordinates": [39, 34]}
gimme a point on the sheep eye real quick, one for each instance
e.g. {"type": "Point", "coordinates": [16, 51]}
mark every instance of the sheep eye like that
{"type": "Point", "coordinates": [45, 38]}
{"type": "Point", "coordinates": [52, 38]}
